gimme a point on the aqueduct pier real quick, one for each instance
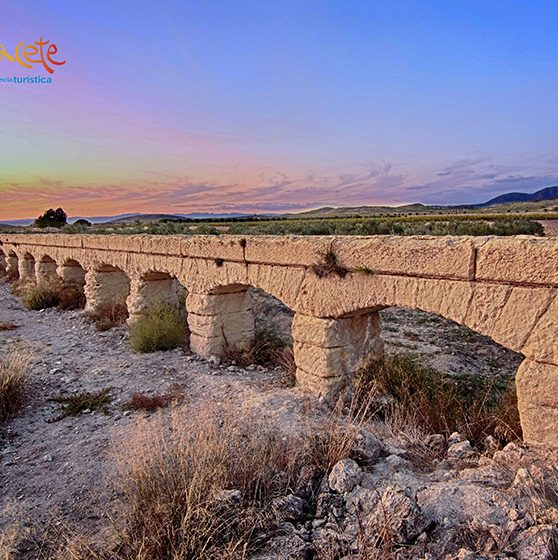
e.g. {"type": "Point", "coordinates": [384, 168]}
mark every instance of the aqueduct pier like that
{"type": "Point", "coordinates": [505, 288]}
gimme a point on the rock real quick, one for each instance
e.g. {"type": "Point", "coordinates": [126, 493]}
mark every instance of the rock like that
{"type": "Point", "coordinates": [227, 497]}
{"type": "Point", "coordinates": [460, 450]}
{"type": "Point", "coordinates": [489, 445]}
{"type": "Point", "coordinates": [288, 508]}
{"type": "Point", "coordinates": [455, 437]}
{"type": "Point", "coordinates": [48, 458]}
{"type": "Point", "coordinates": [366, 448]}
{"type": "Point", "coordinates": [396, 462]}
{"type": "Point", "coordinates": [344, 476]}
{"type": "Point", "coordinates": [511, 453]}
{"type": "Point", "coordinates": [285, 547]}
{"type": "Point", "coordinates": [537, 543]}
{"type": "Point", "coordinates": [214, 360]}
{"type": "Point", "coordinates": [436, 443]}
{"type": "Point", "coordinates": [399, 514]}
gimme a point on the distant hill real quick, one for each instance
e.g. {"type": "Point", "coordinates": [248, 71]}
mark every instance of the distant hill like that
{"type": "Point", "coordinates": [544, 194]}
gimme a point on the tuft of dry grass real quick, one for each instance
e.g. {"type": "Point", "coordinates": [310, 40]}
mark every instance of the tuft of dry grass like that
{"type": "Point", "coordinates": [268, 348]}
{"type": "Point", "coordinates": [107, 316]}
{"type": "Point", "coordinates": [41, 295]}
{"type": "Point", "coordinates": [328, 265]}
{"type": "Point", "coordinates": [14, 367]}
{"type": "Point", "coordinates": [151, 403]}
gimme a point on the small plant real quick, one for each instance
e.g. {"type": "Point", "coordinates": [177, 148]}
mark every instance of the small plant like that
{"type": "Point", "coordinates": [109, 315]}
{"type": "Point", "coordinates": [268, 348]}
{"type": "Point", "coordinates": [161, 327]}
{"type": "Point", "coordinates": [41, 295]}
{"type": "Point", "coordinates": [150, 403]}
{"type": "Point", "coordinates": [72, 405]}
{"type": "Point", "coordinates": [329, 265]}
{"type": "Point", "coordinates": [14, 366]}
{"type": "Point", "coordinates": [8, 326]}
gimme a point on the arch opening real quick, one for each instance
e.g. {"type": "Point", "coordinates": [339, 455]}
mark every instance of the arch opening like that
{"type": "Point", "coordinates": [27, 267]}
{"type": "Point", "coordinates": [46, 269]}
{"type": "Point", "coordinates": [438, 376]}
{"type": "Point", "coordinates": [157, 312]}
{"type": "Point", "coordinates": [106, 291]}
{"type": "Point", "coordinates": [3, 263]}
{"type": "Point", "coordinates": [12, 267]}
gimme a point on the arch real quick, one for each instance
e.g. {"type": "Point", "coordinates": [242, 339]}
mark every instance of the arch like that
{"type": "Point", "coordinates": [72, 272]}
{"type": "Point", "coordinates": [12, 266]}
{"type": "Point", "coordinates": [27, 266]}
{"type": "Point", "coordinates": [106, 286]}
{"type": "Point", "coordinates": [45, 269]}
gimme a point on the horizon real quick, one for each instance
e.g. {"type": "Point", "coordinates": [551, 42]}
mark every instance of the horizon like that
{"type": "Point", "coordinates": [273, 109]}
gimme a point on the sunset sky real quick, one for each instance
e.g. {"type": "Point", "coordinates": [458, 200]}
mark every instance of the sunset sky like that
{"type": "Point", "coordinates": [277, 105]}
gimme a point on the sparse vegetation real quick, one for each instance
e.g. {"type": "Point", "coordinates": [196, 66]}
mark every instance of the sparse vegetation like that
{"type": "Point", "coordinates": [71, 296]}
{"type": "Point", "coordinates": [109, 315]}
{"type": "Point", "coordinates": [328, 265]}
{"type": "Point", "coordinates": [41, 295]}
{"type": "Point", "coordinates": [8, 326]}
{"type": "Point", "coordinates": [268, 348]}
{"type": "Point", "coordinates": [72, 405]}
{"type": "Point", "coordinates": [161, 327]}
{"type": "Point", "coordinates": [151, 403]}
{"type": "Point", "coordinates": [14, 366]}
{"type": "Point", "coordinates": [473, 405]}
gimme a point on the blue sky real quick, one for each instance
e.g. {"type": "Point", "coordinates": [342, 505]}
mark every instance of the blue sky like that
{"type": "Point", "coordinates": [271, 106]}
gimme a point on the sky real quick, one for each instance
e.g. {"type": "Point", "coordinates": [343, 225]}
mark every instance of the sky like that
{"type": "Point", "coordinates": [186, 106]}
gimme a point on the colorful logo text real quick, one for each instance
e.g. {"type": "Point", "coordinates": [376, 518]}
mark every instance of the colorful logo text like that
{"type": "Point", "coordinates": [35, 53]}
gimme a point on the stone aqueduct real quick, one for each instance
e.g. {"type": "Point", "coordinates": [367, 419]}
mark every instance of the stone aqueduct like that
{"type": "Point", "coordinates": [505, 288]}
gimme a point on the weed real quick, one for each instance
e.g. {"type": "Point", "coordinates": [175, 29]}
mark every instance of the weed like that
{"type": "Point", "coordinates": [8, 326]}
{"type": "Point", "coordinates": [72, 405]}
{"type": "Point", "coordinates": [329, 265]}
{"type": "Point", "coordinates": [150, 403]}
{"type": "Point", "coordinates": [267, 348]}
{"type": "Point", "coordinates": [41, 295]}
{"type": "Point", "coordinates": [161, 327]}
{"type": "Point", "coordinates": [14, 366]}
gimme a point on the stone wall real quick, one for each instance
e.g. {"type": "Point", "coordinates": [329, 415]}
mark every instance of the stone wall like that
{"type": "Point", "coordinates": [505, 288]}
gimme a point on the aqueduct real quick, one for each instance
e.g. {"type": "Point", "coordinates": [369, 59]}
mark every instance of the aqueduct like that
{"type": "Point", "coordinates": [505, 288]}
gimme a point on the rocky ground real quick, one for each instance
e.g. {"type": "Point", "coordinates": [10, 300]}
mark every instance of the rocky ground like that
{"type": "Point", "coordinates": [458, 503]}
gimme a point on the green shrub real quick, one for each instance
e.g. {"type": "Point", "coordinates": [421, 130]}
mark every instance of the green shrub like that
{"type": "Point", "coordinates": [72, 405]}
{"type": "Point", "coordinates": [159, 328]}
{"type": "Point", "coordinates": [474, 405]}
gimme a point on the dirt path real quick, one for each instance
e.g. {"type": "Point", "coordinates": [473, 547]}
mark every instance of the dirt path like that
{"type": "Point", "coordinates": [53, 469]}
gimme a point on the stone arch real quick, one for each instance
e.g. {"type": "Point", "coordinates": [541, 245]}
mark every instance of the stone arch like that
{"type": "Point", "coordinates": [27, 266]}
{"type": "Point", "coordinates": [45, 268]}
{"type": "Point", "coordinates": [3, 263]}
{"type": "Point", "coordinates": [72, 272]}
{"type": "Point", "coordinates": [154, 287]}
{"type": "Point", "coordinates": [12, 266]}
{"type": "Point", "coordinates": [106, 286]}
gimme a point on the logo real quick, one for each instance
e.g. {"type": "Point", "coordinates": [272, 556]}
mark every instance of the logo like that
{"type": "Point", "coordinates": [38, 53]}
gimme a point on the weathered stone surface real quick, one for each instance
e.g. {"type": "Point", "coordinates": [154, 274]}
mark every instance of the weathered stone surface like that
{"type": "Point", "coordinates": [526, 260]}
{"type": "Point", "coordinates": [542, 343]}
{"type": "Point", "coordinates": [537, 400]}
{"type": "Point", "coordinates": [439, 257]}
{"type": "Point", "coordinates": [344, 476]}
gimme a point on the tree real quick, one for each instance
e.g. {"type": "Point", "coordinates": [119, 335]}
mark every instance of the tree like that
{"type": "Point", "coordinates": [52, 218]}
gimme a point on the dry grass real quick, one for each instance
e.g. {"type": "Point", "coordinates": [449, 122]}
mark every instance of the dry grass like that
{"type": "Point", "coordinates": [268, 348]}
{"type": "Point", "coordinates": [409, 393]}
{"type": "Point", "coordinates": [107, 316]}
{"type": "Point", "coordinates": [161, 327]}
{"type": "Point", "coordinates": [51, 292]}
{"type": "Point", "coordinates": [8, 326]}
{"type": "Point", "coordinates": [328, 265]}
{"type": "Point", "coordinates": [151, 403]}
{"type": "Point", "coordinates": [14, 367]}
